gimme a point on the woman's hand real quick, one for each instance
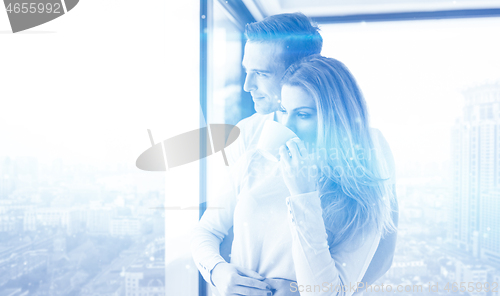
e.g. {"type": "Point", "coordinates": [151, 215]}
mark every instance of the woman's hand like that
{"type": "Point", "coordinates": [298, 166]}
{"type": "Point", "coordinates": [230, 279]}
{"type": "Point", "coordinates": [283, 287]}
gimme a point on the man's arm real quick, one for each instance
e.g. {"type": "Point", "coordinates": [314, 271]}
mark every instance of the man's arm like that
{"type": "Point", "coordinates": [209, 233]}
{"type": "Point", "coordinates": [382, 260]}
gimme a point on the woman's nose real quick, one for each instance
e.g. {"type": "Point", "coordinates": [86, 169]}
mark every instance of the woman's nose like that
{"type": "Point", "coordinates": [288, 122]}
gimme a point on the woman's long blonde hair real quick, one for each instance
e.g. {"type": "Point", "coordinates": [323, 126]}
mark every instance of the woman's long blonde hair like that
{"type": "Point", "coordinates": [355, 194]}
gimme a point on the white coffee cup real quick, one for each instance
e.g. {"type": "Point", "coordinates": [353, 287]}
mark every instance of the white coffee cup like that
{"type": "Point", "coordinates": [273, 136]}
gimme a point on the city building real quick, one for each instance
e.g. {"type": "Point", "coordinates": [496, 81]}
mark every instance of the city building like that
{"type": "Point", "coordinates": [474, 223]}
{"type": "Point", "coordinates": [98, 220]}
{"type": "Point", "coordinates": [65, 217]}
{"type": "Point", "coordinates": [409, 268]}
{"type": "Point", "coordinates": [490, 225]}
{"type": "Point", "coordinates": [7, 223]}
{"type": "Point", "coordinates": [6, 185]}
{"type": "Point", "coordinates": [495, 281]}
{"type": "Point", "coordinates": [145, 279]}
{"type": "Point", "coordinates": [474, 273]}
{"type": "Point", "coordinates": [7, 205]}
{"type": "Point", "coordinates": [120, 227]}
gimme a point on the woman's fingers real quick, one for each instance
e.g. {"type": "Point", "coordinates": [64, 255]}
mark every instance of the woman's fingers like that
{"type": "Point", "coordinates": [302, 148]}
{"type": "Point", "coordinates": [252, 283]}
{"type": "Point", "coordinates": [249, 273]}
{"type": "Point", "coordinates": [284, 156]}
{"type": "Point", "coordinates": [250, 278]}
{"type": "Point", "coordinates": [244, 291]}
{"type": "Point", "coordinates": [250, 286]}
{"type": "Point", "coordinates": [231, 280]}
{"type": "Point", "coordinates": [298, 168]}
{"type": "Point", "coordinates": [294, 150]}
{"type": "Point", "coordinates": [282, 287]}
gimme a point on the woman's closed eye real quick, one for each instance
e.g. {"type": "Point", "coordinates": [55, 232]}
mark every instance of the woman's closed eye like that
{"type": "Point", "coordinates": [303, 115]}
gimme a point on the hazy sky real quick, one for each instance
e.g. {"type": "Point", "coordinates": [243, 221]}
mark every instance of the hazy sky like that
{"type": "Point", "coordinates": [88, 93]}
{"type": "Point", "coordinates": [87, 86]}
{"type": "Point", "coordinates": [412, 74]}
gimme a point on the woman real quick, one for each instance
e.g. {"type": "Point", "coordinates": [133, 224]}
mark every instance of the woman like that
{"type": "Point", "coordinates": [316, 217]}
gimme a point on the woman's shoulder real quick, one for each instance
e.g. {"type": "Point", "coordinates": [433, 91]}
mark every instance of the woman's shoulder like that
{"type": "Point", "coordinates": [383, 150]}
{"type": "Point", "coordinates": [376, 134]}
{"type": "Point", "coordinates": [380, 144]}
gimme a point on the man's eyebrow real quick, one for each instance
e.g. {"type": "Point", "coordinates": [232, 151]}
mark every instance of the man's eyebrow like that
{"type": "Point", "coordinates": [257, 70]}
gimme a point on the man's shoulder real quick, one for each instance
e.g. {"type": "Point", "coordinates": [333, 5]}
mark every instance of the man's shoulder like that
{"type": "Point", "coordinates": [253, 120]}
{"type": "Point", "coordinates": [253, 124]}
{"type": "Point", "coordinates": [249, 133]}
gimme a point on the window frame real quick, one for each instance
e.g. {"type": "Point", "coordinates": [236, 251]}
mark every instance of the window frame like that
{"type": "Point", "coordinates": [239, 14]}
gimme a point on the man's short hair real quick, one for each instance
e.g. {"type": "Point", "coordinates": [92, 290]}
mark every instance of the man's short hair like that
{"type": "Point", "coordinates": [294, 31]}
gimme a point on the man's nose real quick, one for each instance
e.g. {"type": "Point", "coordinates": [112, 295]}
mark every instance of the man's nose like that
{"type": "Point", "coordinates": [249, 83]}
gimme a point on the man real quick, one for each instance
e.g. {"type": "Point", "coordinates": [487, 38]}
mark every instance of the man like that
{"type": "Point", "coordinates": [273, 45]}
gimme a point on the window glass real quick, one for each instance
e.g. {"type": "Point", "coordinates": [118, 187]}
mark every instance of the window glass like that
{"type": "Point", "coordinates": [77, 217]}
{"type": "Point", "coordinates": [225, 96]}
{"type": "Point", "coordinates": [227, 102]}
{"type": "Point", "coordinates": [432, 89]}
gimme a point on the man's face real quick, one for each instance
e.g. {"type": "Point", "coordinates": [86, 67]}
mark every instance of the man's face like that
{"type": "Point", "coordinates": [264, 68]}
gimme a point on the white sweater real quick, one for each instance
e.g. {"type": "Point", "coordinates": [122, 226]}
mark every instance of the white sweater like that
{"type": "Point", "coordinates": [275, 234]}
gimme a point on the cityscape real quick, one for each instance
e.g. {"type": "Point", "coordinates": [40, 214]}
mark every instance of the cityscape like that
{"type": "Point", "coordinates": [63, 232]}
{"type": "Point", "coordinates": [449, 222]}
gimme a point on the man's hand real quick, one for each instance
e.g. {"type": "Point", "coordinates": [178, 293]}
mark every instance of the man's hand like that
{"type": "Point", "coordinates": [230, 279]}
{"type": "Point", "coordinates": [282, 287]}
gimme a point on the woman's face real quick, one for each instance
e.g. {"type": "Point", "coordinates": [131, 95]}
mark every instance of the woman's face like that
{"type": "Point", "coordinates": [299, 114]}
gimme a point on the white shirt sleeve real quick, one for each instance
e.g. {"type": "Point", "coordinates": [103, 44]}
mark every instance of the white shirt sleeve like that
{"type": "Point", "coordinates": [215, 223]}
{"type": "Point", "coordinates": [236, 149]}
{"type": "Point", "coordinates": [321, 271]}
{"type": "Point", "coordinates": [209, 233]}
